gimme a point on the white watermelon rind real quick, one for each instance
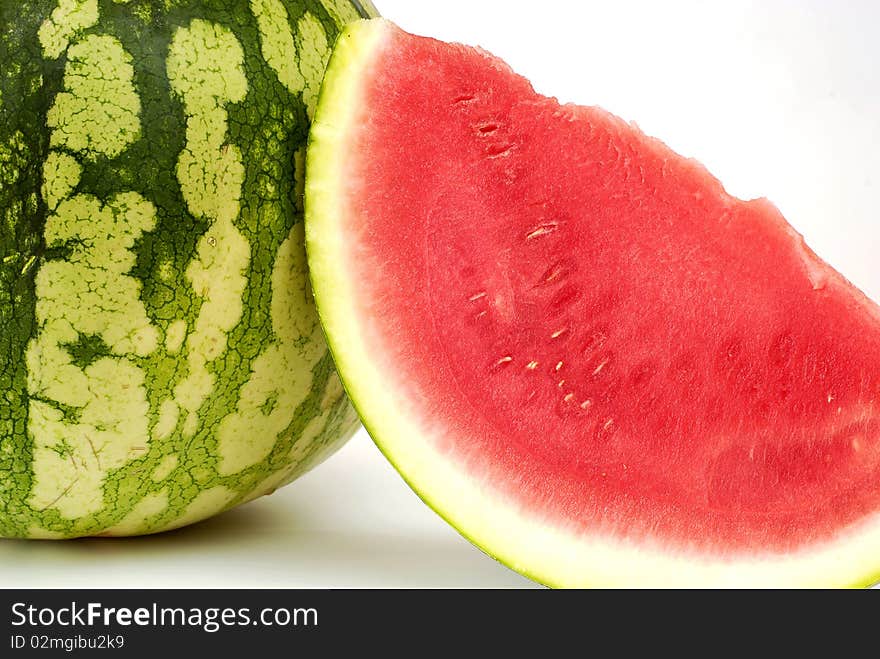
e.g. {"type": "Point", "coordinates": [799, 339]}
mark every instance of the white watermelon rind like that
{"type": "Point", "coordinates": [520, 539]}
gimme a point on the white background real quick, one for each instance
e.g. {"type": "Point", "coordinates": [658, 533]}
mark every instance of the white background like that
{"type": "Point", "coordinates": [779, 98]}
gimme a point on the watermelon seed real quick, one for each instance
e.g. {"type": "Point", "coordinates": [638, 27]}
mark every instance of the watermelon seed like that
{"type": "Point", "coordinates": [481, 314]}
{"type": "Point", "coordinates": [532, 366]}
{"type": "Point", "coordinates": [602, 365]}
{"type": "Point", "coordinates": [478, 296]}
{"type": "Point", "coordinates": [558, 333]}
{"type": "Point", "coordinates": [542, 230]}
{"type": "Point", "coordinates": [559, 366]}
{"type": "Point", "coordinates": [568, 398]}
{"type": "Point", "coordinates": [487, 129]}
{"type": "Point", "coordinates": [561, 384]}
{"type": "Point", "coordinates": [604, 431]}
{"type": "Point", "coordinates": [464, 98]}
{"type": "Point", "coordinates": [502, 362]}
{"type": "Point", "coordinates": [499, 150]}
{"type": "Point", "coordinates": [587, 404]}
{"type": "Point", "coordinates": [553, 272]}
{"type": "Point", "coordinates": [830, 398]}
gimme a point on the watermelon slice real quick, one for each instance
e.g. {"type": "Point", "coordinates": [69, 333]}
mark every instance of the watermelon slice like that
{"type": "Point", "coordinates": [574, 344]}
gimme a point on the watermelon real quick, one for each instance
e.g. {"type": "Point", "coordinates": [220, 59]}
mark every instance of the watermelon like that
{"type": "Point", "coordinates": [162, 357]}
{"type": "Point", "coordinates": [574, 344]}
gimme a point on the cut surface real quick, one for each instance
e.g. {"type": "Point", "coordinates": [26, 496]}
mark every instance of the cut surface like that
{"type": "Point", "coordinates": [574, 344]}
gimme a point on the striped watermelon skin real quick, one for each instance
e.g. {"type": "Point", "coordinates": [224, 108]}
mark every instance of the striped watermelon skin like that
{"type": "Point", "coordinates": [161, 357]}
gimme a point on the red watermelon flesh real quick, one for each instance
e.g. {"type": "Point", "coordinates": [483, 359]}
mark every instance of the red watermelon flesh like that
{"type": "Point", "coordinates": [541, 306]}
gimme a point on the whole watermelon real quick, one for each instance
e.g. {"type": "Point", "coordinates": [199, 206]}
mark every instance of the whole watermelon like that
{"type": "Point", "coordinates": [161, 357]}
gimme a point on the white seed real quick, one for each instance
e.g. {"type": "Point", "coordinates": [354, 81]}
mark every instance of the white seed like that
{"type": "Point", "coordinates": [542, 230]}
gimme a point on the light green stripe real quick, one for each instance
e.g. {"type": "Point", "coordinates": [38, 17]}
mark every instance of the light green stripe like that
{"type": "Point", "coordinates": [68, 19]}
{"type": "Point", "coordinates": [97, 114]}
{"type": "Point", "coordinates": [205, 67]}
{"type": "Point", "coordinates": [277, 44]}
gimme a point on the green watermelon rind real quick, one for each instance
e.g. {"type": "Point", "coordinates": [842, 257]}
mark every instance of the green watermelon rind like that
{"type": "Point", "coordinates": [132, 165]}
{"type": "Point", "coordinates": [555, 559]}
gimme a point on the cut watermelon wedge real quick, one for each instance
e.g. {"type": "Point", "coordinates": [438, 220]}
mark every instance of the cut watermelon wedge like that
{"type": "Point", "coordinates": [575, 345]}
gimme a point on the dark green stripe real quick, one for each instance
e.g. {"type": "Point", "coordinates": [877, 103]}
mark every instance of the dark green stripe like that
{"type": "Point", "coordinates": [23, 148]}
{"type": "Point", "coordinates": [365, 9]}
